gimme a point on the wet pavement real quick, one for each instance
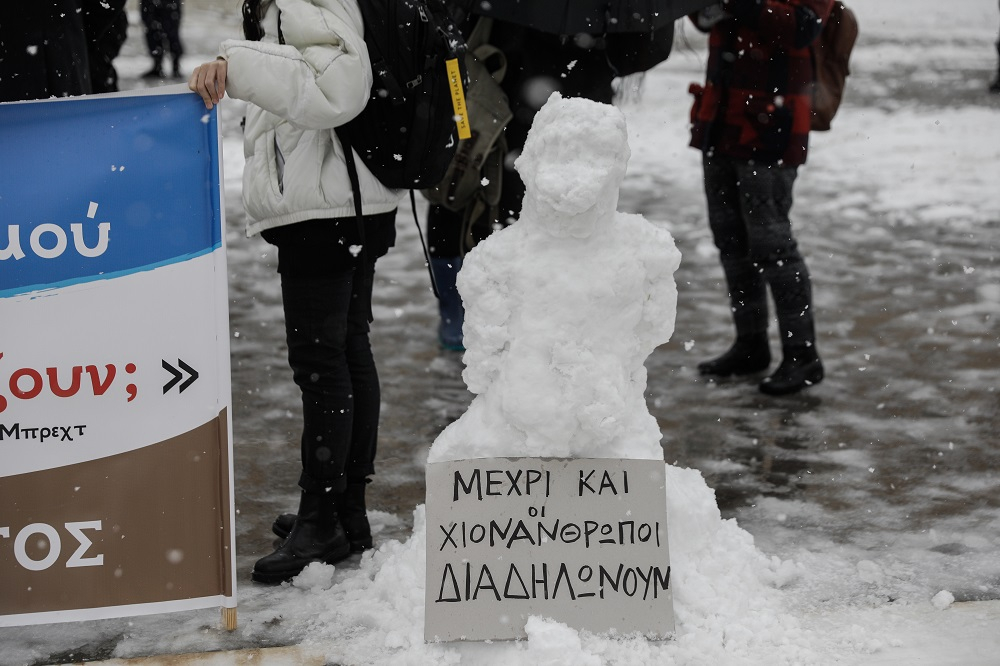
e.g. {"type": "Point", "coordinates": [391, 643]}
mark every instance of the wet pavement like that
{"type": "Point", "coordinates": [892, 460]}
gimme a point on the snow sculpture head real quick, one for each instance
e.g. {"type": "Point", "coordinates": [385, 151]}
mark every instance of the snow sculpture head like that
{"type": "Point", "coordinates": [573, 163]}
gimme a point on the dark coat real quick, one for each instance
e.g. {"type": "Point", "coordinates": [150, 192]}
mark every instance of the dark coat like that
{"type": "Point", "coordinates": [106, 25]}
{"type": "Point", "coordinates": [43, 50]}
{"type": "Point", "coordinates": [757, 99]}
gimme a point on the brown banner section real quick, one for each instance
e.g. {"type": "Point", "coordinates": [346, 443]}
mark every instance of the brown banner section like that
{"type": "Point", "coordinates": [144, 526]}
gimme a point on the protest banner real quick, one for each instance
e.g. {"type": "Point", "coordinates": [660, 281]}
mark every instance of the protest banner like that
{"type": "Point", "coordinates": [582, 541]}
{"type": "Point", "coordinates": [116, 470]}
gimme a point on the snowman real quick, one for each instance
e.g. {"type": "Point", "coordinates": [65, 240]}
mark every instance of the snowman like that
{"type": "Point", "coordinates": [564, 307]}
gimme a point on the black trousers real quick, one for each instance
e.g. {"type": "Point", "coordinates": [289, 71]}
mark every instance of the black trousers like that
{"type": "Point", "coordinates": [537, 64]}
{"type": "Point", "coordinates": [326, 292]}
{"type": "Point", "coordinates": [162, 19]}
{"type": "Point", "coordinates": [106, 25]}
{"type": "Point", "coordinates": [748, 207]}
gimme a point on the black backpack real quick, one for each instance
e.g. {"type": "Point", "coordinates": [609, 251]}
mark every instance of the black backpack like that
{"type": "Point", "coordinates": [407, 133]}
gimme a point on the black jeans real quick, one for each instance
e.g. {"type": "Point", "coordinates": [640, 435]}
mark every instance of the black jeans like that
{"type": "Point", "coordinates": [162, 20]}
{"type": "Point", "coordinates": [326, 291]}
{"type": "Point", "coordinates": [748, 207]}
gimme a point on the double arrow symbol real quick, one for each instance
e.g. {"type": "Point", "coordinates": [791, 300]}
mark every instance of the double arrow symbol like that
{"type": "Point", "coordinates": [177, 376]}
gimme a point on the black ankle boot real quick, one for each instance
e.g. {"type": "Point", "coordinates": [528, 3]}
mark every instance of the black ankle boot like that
{"type": "Point", "coordinates": [283, 525]}
{"type": "Point", "coordinates": [316, 536]}
{"type": "Point", "coordinates": [799, 369]}
{"type": "Point", "coordinates": [352, 513]}
{"type": "Point", "coordinates": [749, 354]}
{"type": "Point", "coordinates": [155, 72]}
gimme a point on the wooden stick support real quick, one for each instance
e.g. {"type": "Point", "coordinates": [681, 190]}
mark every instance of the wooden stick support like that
{"type": "Point", "coordinates": [229, 619]}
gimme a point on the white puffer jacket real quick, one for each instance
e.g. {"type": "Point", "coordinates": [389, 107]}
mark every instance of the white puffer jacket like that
{"type": "Point", "coordinates": [297, 92]}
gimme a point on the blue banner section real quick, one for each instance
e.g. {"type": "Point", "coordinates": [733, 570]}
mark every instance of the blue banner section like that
{"type": "Point", "coordinates": [93, 188]}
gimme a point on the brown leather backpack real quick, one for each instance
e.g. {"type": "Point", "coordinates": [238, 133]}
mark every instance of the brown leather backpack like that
{"type": "Point", "coordinates": [831, 53]}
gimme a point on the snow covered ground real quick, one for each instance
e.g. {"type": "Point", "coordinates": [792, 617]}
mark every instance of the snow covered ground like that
{"type": "Point", "coordinates": [856, 524]}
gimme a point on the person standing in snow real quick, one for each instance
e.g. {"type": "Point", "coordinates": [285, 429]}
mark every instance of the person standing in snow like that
{"type": "Point", "coordinates": [43, 50]}
{"type": "Point", "coordinates": [751, 121]}
{"type": "Point", "coordinates": [538, 63]}
{"type": "Point", "coordinates": [106, 24]}
{"type": "Point", "coordinates": [298, 196]}
{"type": "Point", "coordinates": [162, 21]}
{"type": "Point", "coordinates": [59, 48]}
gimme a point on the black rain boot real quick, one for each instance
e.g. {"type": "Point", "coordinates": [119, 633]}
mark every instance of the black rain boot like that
{"type": "Point", "coordinates": [316, 536]}
{"type": "Point", "coordinates": [799, 369]}
{"type": "Point", "coordinates": [156, 71]}
{"type": "Point", "coordinates": [352, 513]}
{"type": "Point", "coordinates": [177, 67]}
{"type": "Point", "coordinates": [748, 355]}
{"type": "Point", "coordinates": [800, 365]}
{"type": "Point", "coordinates": [748, 303]}
{"type": "Point", "coordinates": [449, 302]}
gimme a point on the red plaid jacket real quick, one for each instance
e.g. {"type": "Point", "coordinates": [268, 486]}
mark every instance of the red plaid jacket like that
{"type": "Point", "coordinates": [756, 101]}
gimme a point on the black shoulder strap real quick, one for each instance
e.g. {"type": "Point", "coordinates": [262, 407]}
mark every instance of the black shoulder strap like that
{"type": "Point", "coordinates": [423, 244]}
{"type": "Point", "coordinates": [352, 173]}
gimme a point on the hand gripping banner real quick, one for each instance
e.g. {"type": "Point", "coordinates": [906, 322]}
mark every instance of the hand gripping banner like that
{"type": "Point", "coordinates": [116, 483]}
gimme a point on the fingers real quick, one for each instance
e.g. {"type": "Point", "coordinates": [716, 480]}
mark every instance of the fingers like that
{"type": "Point", "coordinates": [209, 81]}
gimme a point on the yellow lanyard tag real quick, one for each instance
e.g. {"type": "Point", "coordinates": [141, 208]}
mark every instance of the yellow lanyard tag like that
{"type": "Point", "coordinates": [458, 99]}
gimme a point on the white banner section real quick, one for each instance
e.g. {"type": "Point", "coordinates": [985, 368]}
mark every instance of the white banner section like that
{"type": "Point", "coordinates": [116, 491]}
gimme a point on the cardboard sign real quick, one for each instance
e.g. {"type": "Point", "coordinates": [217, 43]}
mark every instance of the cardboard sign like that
{"type": "Point", "coordinates": [115, 437]}
{"type": "Point", "coordinates": [582, 541]}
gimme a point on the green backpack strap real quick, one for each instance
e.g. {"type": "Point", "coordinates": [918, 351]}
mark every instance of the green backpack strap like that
{"type": "Point", "coordinates": [478, 159]}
